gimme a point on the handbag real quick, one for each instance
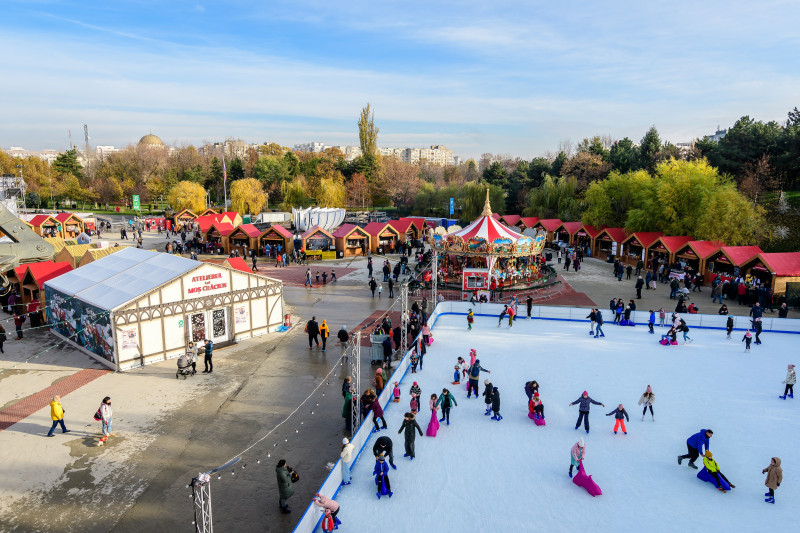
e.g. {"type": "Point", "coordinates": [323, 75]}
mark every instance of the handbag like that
{"type": "Point", "coordinates": [98, 415]}
{"type": "Point", "coordinates": [294, 476]}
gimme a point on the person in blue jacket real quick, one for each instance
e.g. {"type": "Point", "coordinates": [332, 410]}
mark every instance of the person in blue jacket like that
{"type": "Point", "coordinates": [381, 473]}
{"type": "Point", "coordinates": [651, 321]}
{"type": "Point", "coordinates": [599, 325]}
{"type": "Point", "coordinates": [694, 445]}
{"type": "Point", "coordinates": [583, 410]}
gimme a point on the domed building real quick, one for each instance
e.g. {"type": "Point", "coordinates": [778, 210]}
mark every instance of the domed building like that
{"type": "Point", "coordinates": [151, 140]}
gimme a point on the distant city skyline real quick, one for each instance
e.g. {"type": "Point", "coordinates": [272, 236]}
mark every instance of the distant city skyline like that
{"type": "Point", "coordinates": [512, 78]}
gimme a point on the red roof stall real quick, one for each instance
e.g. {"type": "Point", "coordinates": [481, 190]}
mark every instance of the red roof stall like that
{"type": "Point", "coordinates": [637, 245]}
{"type": "Point", "coordinates": [666, 247]}
{"type": "Point", "coordinates": [45, 226]}
{"type": "Point", "coordinates": [277, 235]}
{"type": "Point", "coordinates": [237, 263]}
{"type": "Point", "coordinates": [526, 222]}
{"type": "Point", "coordinates": [244, 238]}
{"type": "Point", "coordinates": [383, 237]}
{"type": "Point", "coordinates": [693, 254]}
{"type": "Point", "coordinates": [185, 219]}
{"type": "Point", "coordinates": [35, 276]}
{"type": "Point", "coordinates": [496, 216]}
{"type": "Point", "coordinates": [409, 229]}
{"type": "Point", "coordinates": [550, 225]}
{"type": "Point", "coordinates": [728, 260]}
{"type": "Point", "coordinates": [585, 237]}
{"type": "Point", "coordinates": [566, 232]}
{"type": "Point", "coordinates": [216, 238]}
{"type": "Point", "coordinates": [71, 225]}
{"type": "Point", "coordinates": [351, 240]}
{"type": "Point", "coordinates": [316, 238]}
{"type": "Point", "coordinates": [775, 269]}
{"type": "Point", "coordinates": [510, 220]}
{"type": "Point", "coordinates": [609, 242]}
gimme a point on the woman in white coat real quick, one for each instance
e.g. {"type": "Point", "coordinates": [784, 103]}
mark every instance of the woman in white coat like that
{"type": "Point", "coordinates": [347, 459]}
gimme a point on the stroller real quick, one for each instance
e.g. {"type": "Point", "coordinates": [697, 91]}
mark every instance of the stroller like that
{"type": "Point", "coordinates": [185, 367]}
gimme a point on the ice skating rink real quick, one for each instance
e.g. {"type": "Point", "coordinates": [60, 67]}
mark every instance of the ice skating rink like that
{"type": "Point", "coordinates": [479, 475]}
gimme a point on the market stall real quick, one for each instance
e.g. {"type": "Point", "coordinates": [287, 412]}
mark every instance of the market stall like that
{"type": "Point", "coordinates": [36, 275]}
{"type": "Point", "coordinates": [609, 242]}
{"type": "Point", "coordinates": [636, 246]}
{"type": "Point", "coordinates": [215, 238]}
{"type": "Point", "coordinates": [351, 240]}
{"type": "Point", "coordinates": [243, 239]}
{"type": "Point", "coordinates": [45, 226]}
{"type": "Point", "coordinates": [727, 261]}
{"type": "Point", "coordinates": [585, 237]}
{"type": "Point", "coordinates": [775, 270]}
{"type": "Point", "coordinates": [693, 255]}
{"type": "Point", "coordinates": [510, 220]}
{"type": "Point", "coordinates": [565, 232]}
{"type": "Point", "coordinates": [317, 239]}
{"type": "Point", "coordinates": [383, 237]}
{"type": "Point", "coordinates": [274, 236]}
{"type": "Point", "coordinates": [549, 225]}
{"type": "Point", "coordinates": [71, 225]}
{"type": "Point", "coordinates": [665, 248]}
{"type": "Point", "coordinates": [526, 222]}
{"type": "Point", "coordinates": [136, 307]}
{"type": "Point", "coordinates": [408, 229]}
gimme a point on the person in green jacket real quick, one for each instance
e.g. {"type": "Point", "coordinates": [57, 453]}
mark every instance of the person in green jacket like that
{"type": "Point", "coordinates": [285, 487]}
{"type": "Point", "coordinates": [347, 410]}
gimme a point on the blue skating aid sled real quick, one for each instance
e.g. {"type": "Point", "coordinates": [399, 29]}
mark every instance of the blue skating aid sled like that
{"type": "Point", "coordinates": [703, 475]}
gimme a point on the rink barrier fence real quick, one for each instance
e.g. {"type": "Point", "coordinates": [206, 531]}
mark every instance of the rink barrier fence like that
{"type": "Point", "coordinates": [312, 518]}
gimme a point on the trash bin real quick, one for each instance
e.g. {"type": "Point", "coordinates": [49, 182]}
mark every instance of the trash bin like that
{"type": "Point", "coordinates": [548, 256]}
{"type": "Point", "coordinates": [376, 350]}
{"type": "Point", "coordinates": [339, 254]}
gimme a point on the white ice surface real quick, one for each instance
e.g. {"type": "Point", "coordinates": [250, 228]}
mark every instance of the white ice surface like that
{"type": "Point", "coordinates": [482, 475]}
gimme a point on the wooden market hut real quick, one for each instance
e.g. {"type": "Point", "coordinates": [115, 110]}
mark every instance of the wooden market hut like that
{"type": "Point", "coordinates": [275, 235]}
{"type": "Point", "coordinates": [693, 254]}
{"type": "Point", "coordinates": [585, 236]}
{"type": "Point", "coordinates": [382, 237]}
{"type": "Point", "coordinates": [208, 211]}
{"type": "Point", "coordinates": [351, 240]}
{"type": "Point", "coordinates": [73, 254]}
{"type": "Point", "coordinates": [316, 238]}
{"type": "Point", "coordinates": [636, 246]}
{"type": "Point", "coordinates": [609, 242]}
{"type": "Point", "coordinates": [775, 270]}
{"type": "Point", "coordinates": [185, 219]}
{"type": "Point", "coordinates": [526, 222]}
{"type": "Point", "coordinates": [244, 238]}
{"type": "Point", "coordinates": [727, 261]}
{"type": "Point", "coordinates": [407, 228]}
{"type": "Point", "coordinates": [510, 220]}
{"type": "Point", "coordinates": [550, 225]}
{"type": "Point", "coordinates": [566, 231]}
{"type": "Point", "coordinates": [36, 274]}
{"type": "Point", "coordinates": [217, 237]}
{"type": "Point", "coordinates": [665, 248]}
{"type": "Point", "coordinates": [71, 225]}
{"type": "Point", "coordinates": [45, 226]}
{"type": "Point", "coordinates": [92, 255]}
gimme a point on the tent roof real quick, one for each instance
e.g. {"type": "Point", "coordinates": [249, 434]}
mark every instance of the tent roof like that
{"type": "Point", "coordinates": [237, 263]}
{"type": "Point", "coordinates": [187, 212]}
{"type": "Point", "coordinates": [419, 222]}
{"type": "Point", "coordinates": [402, 224]}
{"type": "Point", "coordinates": [280, 230]}
{"type": "Point", "coordinates": [528, 221]}
{"type": "Point", "coordinates": [549, 224]}
{"type": "Point", "coordinates": [222, 227]}
{"type": "Point", "coordinates": [249, 230]}
{"type": "Point", "coordinates": [615, 234]}
{"type": "Point", "coordinates": [376, 228]}
{"type": "Point", "coordinates": [346, 229]}
{"type": "Point", "coordinates": [673, 244]}
{"type": "Point", "coordinates": [314, 229]}
{"type": "Point", "coordinates": [121, 277]}
{"type": "Point", "coordinates": [738, 255]}
{"type": "Point", "coordinates": [46, 270]}
{"type": "Point", "coordinates": [38, 220]}
{"type": "Point", "coordinates": [702, 249]}
{"type": "Point", "coordinates": [63, 217]}
{"type": "Point", "coordinates": [77, 250]}
{"type": "Point", "coordinates": [782, 264]}
{"type": "Point", "coordinates": [571, 227]}
{"type": "Point", "coordinates": [644, 238]}
{"type": "Point", "coordinates": [593, 231]}
{"type": "Point", "coordinates": [488, 228]}
{"type": "Point", "coordinates": [510, 220]}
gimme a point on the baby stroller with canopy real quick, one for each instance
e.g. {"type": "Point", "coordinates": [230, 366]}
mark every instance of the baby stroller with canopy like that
{"type": "Point", "coordinates": [186, 365]}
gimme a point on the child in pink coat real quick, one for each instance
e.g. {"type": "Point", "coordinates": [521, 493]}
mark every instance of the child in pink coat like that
{"type": "Point", "coordinates": [577, 455]}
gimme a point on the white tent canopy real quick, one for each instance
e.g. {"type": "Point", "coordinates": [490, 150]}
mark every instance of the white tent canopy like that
{"type": "Point", "coordinates": [328, 218]}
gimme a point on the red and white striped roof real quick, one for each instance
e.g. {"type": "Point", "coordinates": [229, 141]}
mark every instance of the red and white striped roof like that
{"type": "Point", "coordinates": [489, 229]}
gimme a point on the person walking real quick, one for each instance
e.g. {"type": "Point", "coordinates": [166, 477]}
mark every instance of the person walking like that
{"type": "Point", "coordinates": [324, 332]}
{"type": "Point", "coordinates": [254, 256]}
{"type": "Point", "coordinates": [312, 328]}
{"type": "Point", "coordinates": [344, 338]}
{"type": "Point", "coordinates": [774, 479]}
{"type": "Point", "coordinates": [209, 352]}
{"type": "Point", "coordinates": [18, 321]}
{"type": "Point", "coordinates": [372, 286]}
{"type": "Point", "coordinates": [308, 279]}
{"type": "Point", "coordinates": [391, 288]}
{"type": "Point", "coordinates": [106, 417]}
{"type": "Point", "coordinates": [285, 487]}
{"type": "Point", "coordinates": [347, 460]}
{"type": "Point", "coordinates": [583, 410]}
{"type": "Point", "coordinates": [639, 284]}
{"type": "Point", "coordinates": [409, 426]}
{"type": "Point", "coordinates": [791, 379]}
{"type": "Point", "coordinates": [57, 415]}
{"type": "Point", "coordinates": [694, 445]}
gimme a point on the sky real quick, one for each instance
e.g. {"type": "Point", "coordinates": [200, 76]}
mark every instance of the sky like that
{"type": "Point", "coordinates": [505, 77]}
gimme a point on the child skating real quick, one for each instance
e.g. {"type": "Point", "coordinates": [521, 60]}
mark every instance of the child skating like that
{"type": "Point", "coordinates": [496, 404]}
{"type": "Point", "coordinates": [502, 315]}
{"type": "Point", "coordinates": [577, 455]}
{"type": "Point", "coordinates": [713, 468]}
{"type": "Point", "coordinates": [774, 479]}
{"type": "Point", "coordinates": [662, 316]}
{"type": "Point", "coordinates": [791, 379]}
{"type": "Point", "coordinates": [396, 392]}
{"type": "Point", "coordinates": [487, 396]}
{"type": "Point", "coordinates": [747, 339]}
{"type": "Point", "coordinates": [381, 473]}
{"type": "Point", "coordinates": [470, 320]}
{"type": "Point", "coordinates": [456, 376]}
{"type": "Point", "coordinates": [620, 414]}
{"type": "Point", "coordinates": [647, 400]}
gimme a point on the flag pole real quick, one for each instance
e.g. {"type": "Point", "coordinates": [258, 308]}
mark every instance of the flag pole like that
{"type": "Point", "coordinates": [224, 184]}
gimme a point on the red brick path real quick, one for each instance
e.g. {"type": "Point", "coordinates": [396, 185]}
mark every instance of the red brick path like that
{"type": "Point", "coordinates": [27, 406]}
{"type": "Point", "coordinates": [293, 275]}
{"type": "Point", "coordinates": [371, 322]}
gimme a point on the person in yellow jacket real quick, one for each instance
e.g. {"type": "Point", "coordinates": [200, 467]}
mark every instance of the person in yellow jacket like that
{"type": "Point", "coordinates": [324, 331]}
{"type": "Point", "coordinates": [713, 468]}
{"type": "Point", "coordinates": [57, 414]}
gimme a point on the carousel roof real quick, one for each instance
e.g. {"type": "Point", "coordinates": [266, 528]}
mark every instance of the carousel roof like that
{"type": "Point", "coordinates": [488, 228]}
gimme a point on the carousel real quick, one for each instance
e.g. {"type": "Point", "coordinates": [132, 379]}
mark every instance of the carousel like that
{"type": "Point", "coordinates": [487, 255]}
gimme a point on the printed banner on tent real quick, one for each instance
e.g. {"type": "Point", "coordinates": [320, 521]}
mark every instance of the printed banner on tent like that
{"type": "Point", "coordinates": [240, 314]}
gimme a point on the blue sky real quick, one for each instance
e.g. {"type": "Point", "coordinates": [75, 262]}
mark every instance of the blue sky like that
{"type": "Point", "coordinates": [514, 77]}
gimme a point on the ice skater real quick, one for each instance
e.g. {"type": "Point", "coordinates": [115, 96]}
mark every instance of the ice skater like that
{"type": "Point", "coordinates": [662, 316]}
{"type": "Point", "coordinates": [774, 479]}
{"type": "Point", "coordinates": [713, 468]}
{"type": "Point", "coordinates": [577, 455]}
{"type": "Point", "coordinates": [396, 392]}
{"type": "Point", "coordinates": [470, 320]}
{"type": "Point", "coordinates": [647, 400]}
{"type": "Point", "coordinates": [729, 326]}
{"type": "Point", "coordinates": [583, 410]}
{"type": "Point", "coordinates": [651, 321]}
{"type": "Point", "coordinates": [415, 390]}
{"type": "Point", "coordinates": [592, 316]}
{"type": "Point", "coordinates": [599, 327]}
{"type": "Point", "coordinates": [409, 426]}
{"type": "Point", "coordinates": [381, 473]}
{"type": "Point", "coordinates": [433, 425]}
{"type": "Point", "coordinates": [503, 313]}
{"type": "Point", "coordinates": [463, 367]}
{"type": "Point", "coordinates": [619, 414]}
{"type": "Point", "coordinates": [747, 339]}
{"type": "Point", "coordinates": [791, 379]}
{"type": "Point", "coordinates": [456, 376]}
{"type": "Point", "coordinates": [694, 445]}
{"type": "Point", "coordinates": [487, 396]}
{"type": "Point", "coordinates": [447, 401]}
{"type": "Point", "coordinates": [377, 413]}
{"type": "Point", "coordinates": [474, 374]}
{"type": "Point", "coordinates": [496, 404]}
